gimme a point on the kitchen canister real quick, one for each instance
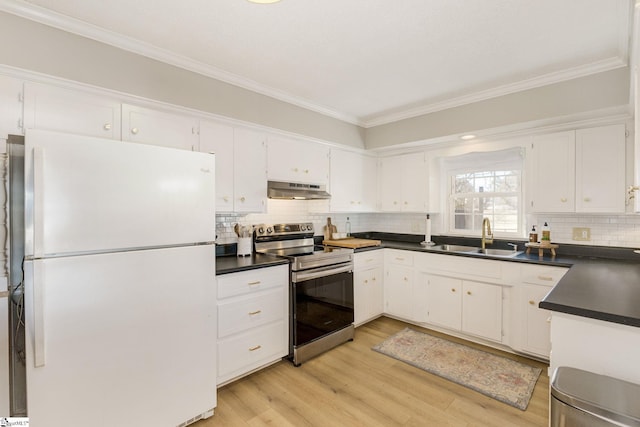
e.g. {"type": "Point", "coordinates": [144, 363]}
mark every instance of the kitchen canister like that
{"type": "Point", "coordinates": [244, 246]}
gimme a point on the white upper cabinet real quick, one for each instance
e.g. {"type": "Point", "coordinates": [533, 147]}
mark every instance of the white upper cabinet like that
{"type": "Point", "coordinates": [600, 169]}
{"type": "Point", "coordinates": [218, 138]}
{"type": "Point", "coordinates": [553, 172]}
{"type": "Point", "coordinates": [353, 182]}
{"type": "Point", "coordinates": [250, 171]}
{"type": "Point", "coordinates": [293, 160]}
{"type": "Point", "coordinates": [579, 171]}
{"type": "Point", "coordinates": [147, 126]}
{"type": "Point", "coordinates": [10, 106]}
{"type": "Point", "coordinates": [241, 166]}
{"type": "Point", "coordinates": [64, 110]}
{"type": "Point", "coordinates": [403, 183]}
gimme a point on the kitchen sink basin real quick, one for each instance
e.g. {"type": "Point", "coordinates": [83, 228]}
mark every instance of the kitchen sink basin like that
{"type": "Point", "coordinates": [455, 248]}
{"type": "Point", "coordinates": [507, 253]}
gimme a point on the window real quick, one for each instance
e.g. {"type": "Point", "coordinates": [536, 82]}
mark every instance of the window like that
{"type": "Point", "coordinates": [486, 185]}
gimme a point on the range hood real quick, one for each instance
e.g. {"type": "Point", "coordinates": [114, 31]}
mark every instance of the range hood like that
{"type": "Point", "coordinates": [296, 191]}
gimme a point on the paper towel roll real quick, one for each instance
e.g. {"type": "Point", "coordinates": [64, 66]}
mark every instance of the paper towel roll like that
{"type": "Point", "coordinates": [427, 230]}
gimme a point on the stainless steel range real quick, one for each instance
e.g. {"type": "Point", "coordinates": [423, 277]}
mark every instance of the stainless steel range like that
{"type": "Point", "coordinates": [321, 294]}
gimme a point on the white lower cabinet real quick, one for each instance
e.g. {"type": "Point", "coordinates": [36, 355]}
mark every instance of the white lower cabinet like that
{"type": "Point", "coordinates": [532, 332]}
{"type": "Point", "coordinates": [253, 327]}
{"type": "Point", "coordinates": [398, 283]}
{"type": "Point", "coordinates": [368, 290]}
{"type": "Point", "coordinates": [462, 305]}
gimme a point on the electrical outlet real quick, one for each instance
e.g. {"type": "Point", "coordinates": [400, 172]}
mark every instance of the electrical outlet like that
{"type": "Point", "coordinates": [581, 233]}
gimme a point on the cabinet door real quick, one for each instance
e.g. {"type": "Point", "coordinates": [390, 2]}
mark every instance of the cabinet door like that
{"type": "Point", "coordinates": [352, 182]}
{"type": "Point", "coordinates": [553, 172]}
{"type": "Point", "coordinates": [11, 120]}
{"type": "Point", "coordinates": [70, 111]}
{"type": "Point", "coordinates": [421, 297]}
{"type": "Point", "coordinates": [398, 291]}
{"type": "Point", "coordinates": [294, 160]}
{"type": "Point", "coordinates": [482, 310]}
{"type": "Point", "coordinates": [443, 301]}
{"type": "Point", "coordinates": [600, 169]}
{"type": "Point", "coordinates": [368, 294]}
{"type": "Point", "coordinates": [161, 128]}
{"type": "Point", "coordinates": [403, 183]}
{"type": "Point", "coordinates": [536, 320]}
{"type": "Point", "coordinates": [218, 138]}
{"type": "Point", "coordinates": [250, 171]}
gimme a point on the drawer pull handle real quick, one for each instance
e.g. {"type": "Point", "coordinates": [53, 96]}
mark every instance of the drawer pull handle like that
{"type": "Point", "coordinates": [532, 302]}
{"type": "Point", "coordinates": [547, 278]}
{"type": "Point", "coordinates": [257, 282]}
{"type": "Point", "coordinates": [253, 313]}
{"type": "Point", "coordinates": [258, 347]}
{"type": "Point", "coordinates": [399, 259]}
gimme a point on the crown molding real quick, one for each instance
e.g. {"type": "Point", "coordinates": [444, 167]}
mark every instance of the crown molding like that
{"type": "Point", "coordinates": [544, 80]}
{"type": "Point", "coordinates": [84, 29]}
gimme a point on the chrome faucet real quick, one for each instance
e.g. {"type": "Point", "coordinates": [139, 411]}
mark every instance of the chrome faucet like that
{"type": "Point", "coordinates": [487, 236]}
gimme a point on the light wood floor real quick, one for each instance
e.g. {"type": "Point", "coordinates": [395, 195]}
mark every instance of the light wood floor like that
{"type": "Point", "coordinates": [352, 385]}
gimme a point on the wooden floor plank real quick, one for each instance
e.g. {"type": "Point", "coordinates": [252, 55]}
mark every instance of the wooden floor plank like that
{"type": "Point", "coordinates": [353, 385]}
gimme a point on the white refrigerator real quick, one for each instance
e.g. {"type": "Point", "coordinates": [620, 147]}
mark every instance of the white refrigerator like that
{"type": "Point", "coordinates": [119, 282]}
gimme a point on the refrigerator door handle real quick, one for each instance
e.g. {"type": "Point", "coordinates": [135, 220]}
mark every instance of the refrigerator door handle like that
{"type": "Point", "coordinates": [38, 315]}
{"type": "Point", "coordinates": [38, 201]}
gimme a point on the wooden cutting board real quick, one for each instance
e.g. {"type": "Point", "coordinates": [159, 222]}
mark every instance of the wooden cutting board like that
{"type": "Point", "coordinates": [351, 242]}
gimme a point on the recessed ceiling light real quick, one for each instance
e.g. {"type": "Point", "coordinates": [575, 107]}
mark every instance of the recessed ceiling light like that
{"type": "Point", "coordinates": [467, 137]}
{"type": "Point", "coordinates": [264, 1]}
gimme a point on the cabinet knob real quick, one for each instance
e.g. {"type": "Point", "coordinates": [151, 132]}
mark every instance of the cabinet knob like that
{"type": "Point", "coordinates": [373, 279]}
{"type": "Point", "coordinates": [532, 302]}
{"type": "Point", "coordinates": [406, 203]}
{"type": "Point", "coordinates": [295, 169]}
{"type": "Point", "coordinates": [225, 198]}
{"type": "Point", "coordinates": [306, 171]}
{"type": "Point", "coordinates": [587, 199]}
{"type": "Point", "coordinates": [134, 131]}
{"type": "Point", "coordinates": [468, 292]}
{"type": "Point", "coordinates": [563, 200]}
{"type": "Point", "coordinates": [395, 203]}
{"type": "Point", "coordinates": [453, 289]}
{"type": "Point", "coordinates": [242, 199]}
{"type": "Point", "coordinates": [406, 279]}
{"type": "Point", "coordinates": [107, 126]}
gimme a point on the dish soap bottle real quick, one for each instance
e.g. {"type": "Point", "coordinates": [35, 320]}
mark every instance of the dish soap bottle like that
{"type": "Point", "coordinates": [347, 227]}
{"type": "Point", "coordinates": [546, 234]}
{"type": "Point", "coordinates": [533, 235]}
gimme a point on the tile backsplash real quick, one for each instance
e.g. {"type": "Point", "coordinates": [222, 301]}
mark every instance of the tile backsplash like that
{"type": "Point", "coordinates": [606, 230]}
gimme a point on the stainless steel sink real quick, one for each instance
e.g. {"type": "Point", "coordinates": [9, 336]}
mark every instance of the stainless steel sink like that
{"type": "Point", "coordinates": [506, 253]}
{"type": "Point", "coordinates": [455, 248]}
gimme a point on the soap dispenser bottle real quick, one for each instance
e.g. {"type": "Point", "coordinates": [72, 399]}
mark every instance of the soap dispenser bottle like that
{"type": "Point", "coordinates": [347, 227]}
{"type": "Point", "coordinates": [533, 235]}
{"type": "Point", "coordinates": [546, 234]}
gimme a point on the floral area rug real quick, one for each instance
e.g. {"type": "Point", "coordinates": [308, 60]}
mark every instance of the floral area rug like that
{"type": "Point", "coordinates": [503, 379]}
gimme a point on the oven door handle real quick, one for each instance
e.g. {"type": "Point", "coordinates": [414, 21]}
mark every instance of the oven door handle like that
{"type": "Point", "coordinates": [301, 276]}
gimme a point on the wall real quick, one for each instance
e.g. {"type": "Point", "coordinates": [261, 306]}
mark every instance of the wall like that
{"type": "Point", "coordinates": [35, 47]}
{"type": "Point", "coordinates": [553, 103]}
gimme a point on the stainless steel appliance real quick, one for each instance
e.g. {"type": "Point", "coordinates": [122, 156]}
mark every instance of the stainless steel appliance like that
{"type": "Point", "coordinates": [321, 293]}
{"type": "Point", "coordinates": [581, 398]}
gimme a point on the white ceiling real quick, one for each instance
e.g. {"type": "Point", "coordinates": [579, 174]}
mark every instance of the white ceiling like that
{"type": "Point", "coordinates": [364, 61]}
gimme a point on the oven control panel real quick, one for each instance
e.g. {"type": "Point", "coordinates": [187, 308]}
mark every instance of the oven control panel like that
{"type": "Point", "coordinates": [268, 230]}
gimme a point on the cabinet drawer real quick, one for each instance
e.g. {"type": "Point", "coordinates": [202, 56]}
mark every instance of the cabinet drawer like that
{"type": "Point", "coordinates": [398, 257]}
{"type": "Point", "coordinates": [462, 266]}
{"type": "Point", "coordinates": [242, 353]}
{"type": "Point", "coordinates": [542, 275]}
{"type": "Point", "coordinates": [246, 282]}
{"type": "Point", "coordinates": [238, 315]}
{"type": "Point", "coordinates": [368, 259]}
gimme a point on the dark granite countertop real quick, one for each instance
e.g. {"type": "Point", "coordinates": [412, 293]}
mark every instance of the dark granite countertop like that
{"type": "Point", "coordinates": [233, 264]}
{"type": "Point", "coordinates": [602, 283]}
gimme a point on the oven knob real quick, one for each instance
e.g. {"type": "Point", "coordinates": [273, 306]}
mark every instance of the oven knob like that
{"type": "Point", "coordinates": [302, 228]}
{"type": "Point", "coordinates": [269, 230]}
{"type": "Point", "coordinates": [260, 230]}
